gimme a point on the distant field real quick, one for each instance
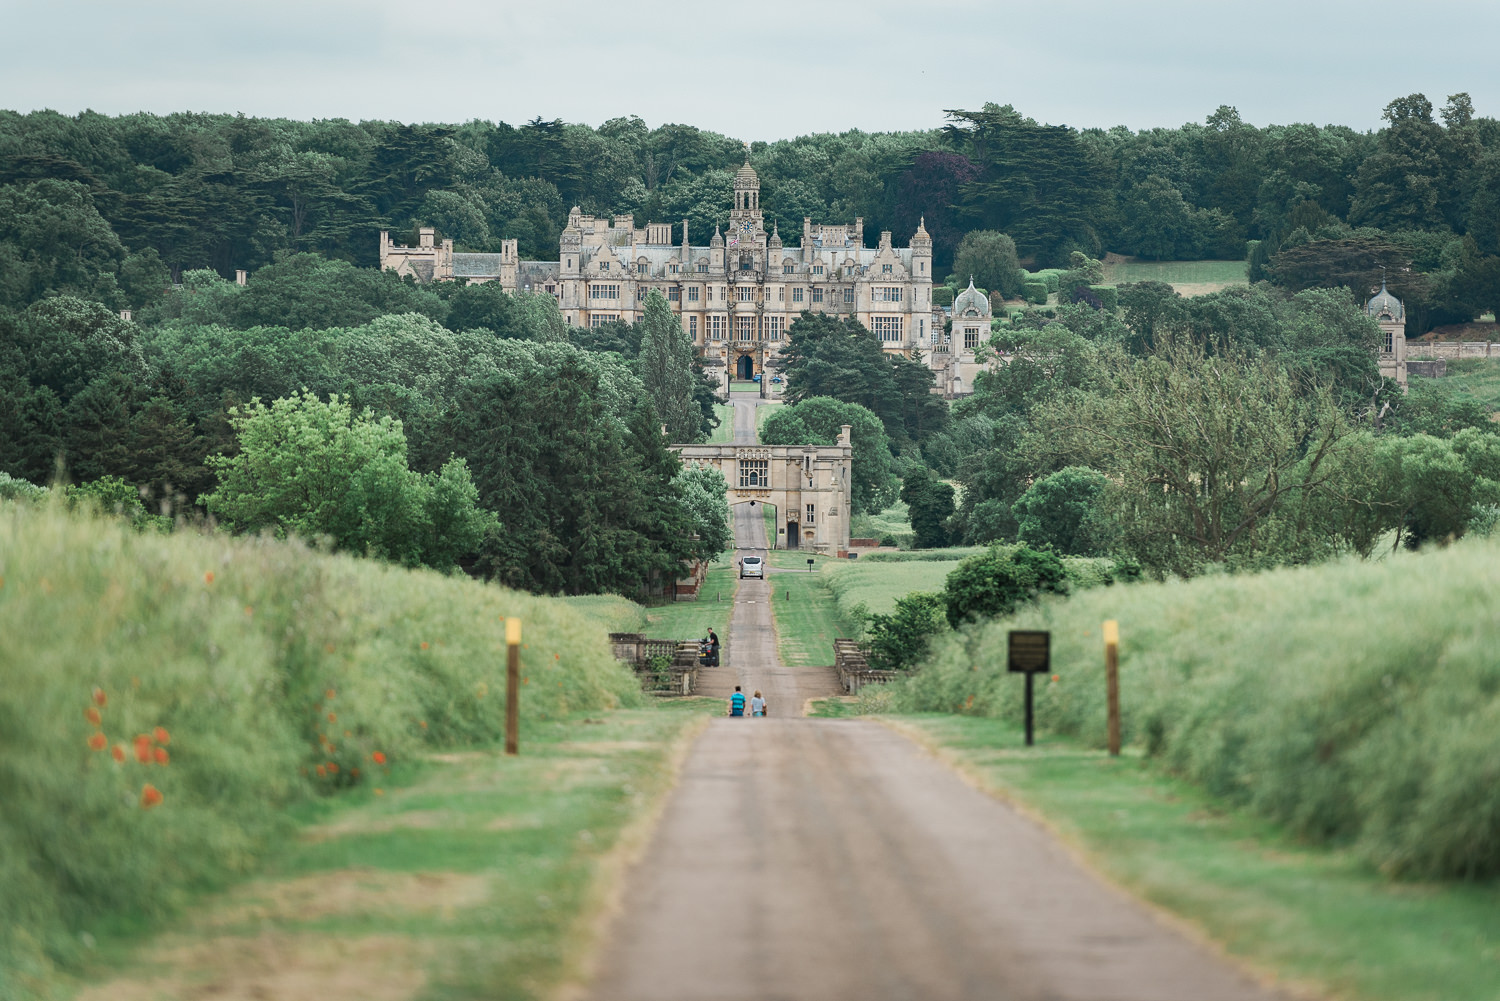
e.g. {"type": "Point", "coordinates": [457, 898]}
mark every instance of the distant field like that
{"type": "Point", "coordinates": [1187, 277]}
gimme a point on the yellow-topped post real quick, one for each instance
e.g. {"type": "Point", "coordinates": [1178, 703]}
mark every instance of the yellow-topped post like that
{"type": "Point", "coordinates": [512, 686]}
{"type": "Point", "coordinates": [1112, 683]}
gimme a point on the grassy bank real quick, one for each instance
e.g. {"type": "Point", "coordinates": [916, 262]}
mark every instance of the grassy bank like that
{"type": "Point", "coordinates": [1477, 378]}
{"type": "Point", "coordinates": [893, 521]}
{"type": "Point", "coordinates": [724, 433]}
{"type": "Point", "coordinates": [168, 697]}
{"type": "Point", "coordinates": [470, 874]}
{"type": "Point", "coordinates": [1310, 915]}
{"type": "Point", "coordinates": [1355, 703]}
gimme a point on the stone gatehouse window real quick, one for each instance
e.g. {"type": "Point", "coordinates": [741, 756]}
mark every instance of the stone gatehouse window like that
{"type": "Point", "coordinates": [1390, 344]}
{"type": "Point", "coordinates": [971, 338]}
{"type": "Point", "coordinates": [755, 473]}
{"type": "Point", "coordinates": [693, 293]}
{"type": "Point", "coordinates": [809, 519]}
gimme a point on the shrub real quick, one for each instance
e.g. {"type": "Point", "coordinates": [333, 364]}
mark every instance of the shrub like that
{"type": "Point", "coordinates": [999, 580]}
{"type": "Point", "coordinates": [1303, 694]}
{"type": "Point", "coordinates": [898, 641]}
{"type": "Point", "coordinates": [1058, 511]}
{"type": "Point", "coordinates": [265, 664]}
{"type": "Point", "coordinates": [1108, 296]}
{"type": "Point", "coordinates": [1035, 292]}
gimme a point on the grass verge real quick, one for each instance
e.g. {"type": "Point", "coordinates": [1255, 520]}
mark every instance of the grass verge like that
{"type": "Point", "coordinates": [466, 875]}
{"type": "Point", "coordinates": [690, 620]}
{"type": "Point", "coordinates": [724, 433]}
{"type": "Point", "coordinates": [1310, 915]}
{"type": "Point", "coordinates": [806, 620]}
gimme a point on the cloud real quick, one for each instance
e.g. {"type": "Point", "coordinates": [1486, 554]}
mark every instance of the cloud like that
{"type": "Point", "coordinates": [769, 70]}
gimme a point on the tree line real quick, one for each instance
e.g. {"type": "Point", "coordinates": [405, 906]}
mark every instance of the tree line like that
{"type": "Point", "coordinates": [112, 207]}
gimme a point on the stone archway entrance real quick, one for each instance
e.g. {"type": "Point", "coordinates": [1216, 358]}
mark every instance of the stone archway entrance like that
{"type": "Point", "coordinates": [744, 368]}
{"type": "Point", "coordinates": [808, 485]}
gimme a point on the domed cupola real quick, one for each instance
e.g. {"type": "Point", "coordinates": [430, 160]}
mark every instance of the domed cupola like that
{"type": "Point", "coordinates": [746, 197]}
{"type": "Point", "coordinates": [1385, 306]}
{"type": "Point", "coordinates": [746, 179]}
{"type": "Point", "coordinates": [718, 239]}
{"type": "Point", "coordinates": [971, 302]}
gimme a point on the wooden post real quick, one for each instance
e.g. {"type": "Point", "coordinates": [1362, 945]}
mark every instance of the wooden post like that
{"type": "Point", "coordinates": [1112, 683]}
{"type": "Point", "coordinates": [512, 686]}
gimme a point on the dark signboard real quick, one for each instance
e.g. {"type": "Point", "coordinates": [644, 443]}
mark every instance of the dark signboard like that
{"type": "Point", "coordinates": [1030, 651]}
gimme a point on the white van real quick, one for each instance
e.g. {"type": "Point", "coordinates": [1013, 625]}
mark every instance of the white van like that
{"type": "Point", "coordinates": [752, 566]}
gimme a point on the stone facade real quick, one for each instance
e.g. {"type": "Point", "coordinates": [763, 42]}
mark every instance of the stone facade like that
{"type": "Point", "coordinates": [809, 485]}
{"type": "Point", "coordinates": [736, 296]}
{"type": "Point", "coordinates": [1388, 311]}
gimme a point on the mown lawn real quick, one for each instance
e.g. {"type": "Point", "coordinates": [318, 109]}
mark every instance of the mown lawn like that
{"type": "Point", "coordinates": [1188, 277]}
{"type": "Point", "coordinates": [1310, 915]}
{"type": "Point", "coordinates": [468, 874]}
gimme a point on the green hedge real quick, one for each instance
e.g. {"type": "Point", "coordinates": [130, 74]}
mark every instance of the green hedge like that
{"type": "Point", "coordinates": [1035, 292]}
{"type": "Point", "coordinates": [1108, 295]}
{"type": "Point", "coordinates": [1049, 276]}
{"type": "Point", "coordinates": [1355, 703]}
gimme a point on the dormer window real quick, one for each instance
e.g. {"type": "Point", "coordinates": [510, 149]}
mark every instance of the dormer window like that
{"type": "Point", "coordinates": [641, 269]}
{"type": "Point", "coordinates": [672, 268]}
{"type": "Point", "coordinates": [702, 268]}
{"type": "Point", "coordinates": [817, 269]}
{"type": "Point", "coordinates": [603, 265]}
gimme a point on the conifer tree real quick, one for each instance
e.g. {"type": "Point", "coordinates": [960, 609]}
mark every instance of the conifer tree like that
{"type": "Point", "coordinates": [667, 370]}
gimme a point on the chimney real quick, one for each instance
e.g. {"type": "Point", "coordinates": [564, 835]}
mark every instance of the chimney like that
{"type": "Point", "coordinates": [241, 277]}
{"type": "Point", "coordinates": [125, 315]}
{"type": "Point", "coordinates": [426, 236]}
{"type": "Point", "coordinates": [844, 434]}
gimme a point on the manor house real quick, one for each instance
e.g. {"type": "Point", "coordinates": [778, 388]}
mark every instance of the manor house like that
{"type": "Point", "coordinates": [735, 297]}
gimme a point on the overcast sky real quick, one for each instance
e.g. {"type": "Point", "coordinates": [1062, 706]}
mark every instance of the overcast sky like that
{"type": "Point", "coordinates": [758, 69]}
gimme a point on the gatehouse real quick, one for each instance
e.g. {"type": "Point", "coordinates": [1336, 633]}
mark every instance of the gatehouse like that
{"type": "Point", "coordinates": [808, 485]}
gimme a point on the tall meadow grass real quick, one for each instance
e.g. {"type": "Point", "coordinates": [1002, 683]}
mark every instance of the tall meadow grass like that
{"type": "Point", "coordinates": [1356, 703]}
{"type": "Point", "coordinates": [273, 671]}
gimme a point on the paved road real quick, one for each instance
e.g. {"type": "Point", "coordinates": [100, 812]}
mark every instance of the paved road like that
{"type": "Point", "coordinates": [834, 860]}
{"type": "Point", "coordinates": [744, 420]}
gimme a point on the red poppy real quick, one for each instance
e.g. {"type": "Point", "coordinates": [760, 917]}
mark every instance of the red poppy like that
{"type": "Point", "coordinates": [143, 749]}
{"type": "Point", "coordinates": [249, 610]}
{"type": "Point", "coordinates": [161, 756]}
{"type": "Point", "coordinates": [99, 697]}
{"type": "Point", "coordinates": [1054, 677]}
{"type": "Point", "coordinates": [332, 718]}
{"type": "Point", "coordinates": [97, 742]}
{"type": "Point", "coordinates": [424, 644]}
{"type": "Point", "coordinates": [118, 752]}
{"type": "Point", "coordinates": [322, 771]}
{"type": "Point", "coordinates": [92, 715]}
{"type": "Point", "coordinates": [423, 723]}
{"type": "Point", "coordinates": [150, 796]}
{"type": "Point", "coordinates": [161, 735]}
{"type": "Point", "coordinates": [208, 578]}
{"type": "Point", "coordinates": [378, 757]}
{"type": "Point", "coordinates": [330, 694]}
{"type": "Point", "coordinates": [333, 768]}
